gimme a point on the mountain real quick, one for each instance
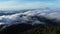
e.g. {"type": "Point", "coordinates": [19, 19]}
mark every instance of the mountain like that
{"type": "Point", "coordinates": [16, 28]}
{"type": "Point", "coordinates": [43, 30]}
{"type": "Point", "coordinates": [31, 29]}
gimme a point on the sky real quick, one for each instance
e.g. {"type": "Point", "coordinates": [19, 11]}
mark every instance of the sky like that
{"type": "Point", "coordinates": [28, 4]}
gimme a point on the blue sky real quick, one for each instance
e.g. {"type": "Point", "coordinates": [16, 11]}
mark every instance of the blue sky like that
{"type": "Point", "coordinates": [28, 4]}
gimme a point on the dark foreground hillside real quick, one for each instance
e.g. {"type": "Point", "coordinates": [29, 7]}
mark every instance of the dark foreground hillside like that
{"type": "Point", "coordinates": [43, 30]}
{"type": "Point", "coordinates": [29, 29]}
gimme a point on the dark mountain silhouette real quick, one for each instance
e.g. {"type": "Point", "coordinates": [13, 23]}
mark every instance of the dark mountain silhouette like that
{"type": "Point", "coordinates": [15, 29]}
{"type": "Point", "coordinates": [19, 28]}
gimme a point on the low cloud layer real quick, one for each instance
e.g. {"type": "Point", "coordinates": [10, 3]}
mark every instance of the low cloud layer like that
{"type": "Point", "coordinates": [38, 16]}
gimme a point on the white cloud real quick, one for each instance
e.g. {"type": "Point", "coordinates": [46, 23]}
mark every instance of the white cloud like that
{"type": "Point", "coordinates": [54, 15]}
{"type": "Point", "coordinates": [31, 17]}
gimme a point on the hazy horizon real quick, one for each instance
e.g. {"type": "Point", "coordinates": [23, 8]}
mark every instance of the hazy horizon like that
{"type": "Point", "coordinates": [28, 4]}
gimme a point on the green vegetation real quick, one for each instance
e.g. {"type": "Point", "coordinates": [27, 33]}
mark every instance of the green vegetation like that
{"type": "Point", "coordinates": [43, 30]}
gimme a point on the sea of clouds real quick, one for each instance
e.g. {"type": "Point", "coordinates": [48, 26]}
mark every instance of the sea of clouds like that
{"type": "Point", "coordinates": [37, 16]}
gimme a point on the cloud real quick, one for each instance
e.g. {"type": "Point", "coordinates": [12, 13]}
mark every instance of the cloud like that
{"type": "Point", "coordinates": [25, 17]}
{"type": "Point", "coordinates": [32, 17]}
{"type": "Point", "coordinates": [37, 16]}
{"type": "Point", "coordinates": [55, 16]}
